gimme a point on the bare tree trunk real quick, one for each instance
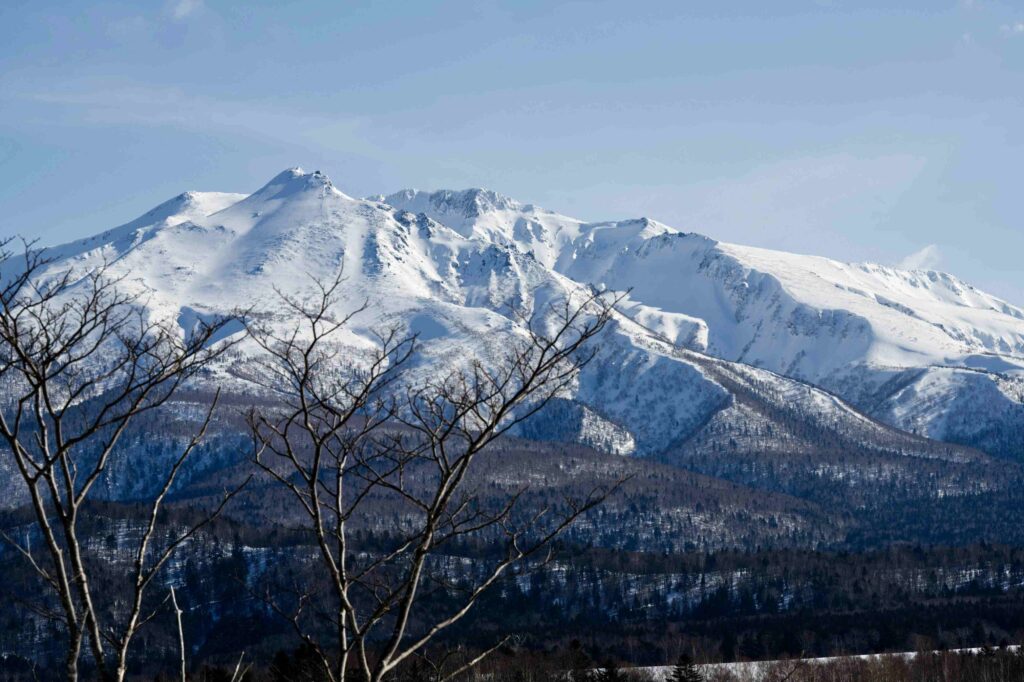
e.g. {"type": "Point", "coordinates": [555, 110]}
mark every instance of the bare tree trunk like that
{"type": "Point", "coordinates": [239, 672]}
{"type": "Point", "coordinates": [74, 651]}
{"type": "Point", "coordinates": [81, 582]}
{"type": "Point", "coordinates": [181, 634]}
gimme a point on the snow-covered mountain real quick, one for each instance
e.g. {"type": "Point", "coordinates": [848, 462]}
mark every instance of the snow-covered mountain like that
{"type": "Point", "coordinates": [709, 331]}
{"type": "Point", "coordinates": [921, 350]}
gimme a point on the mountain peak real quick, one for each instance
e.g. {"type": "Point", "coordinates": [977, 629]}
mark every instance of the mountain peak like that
{"type": "Point", "coordinates": [465, 203]}
{"type": "Point", "coordinates": [189, 205]}
{"type": "Point", "coordinates": [295, 180]}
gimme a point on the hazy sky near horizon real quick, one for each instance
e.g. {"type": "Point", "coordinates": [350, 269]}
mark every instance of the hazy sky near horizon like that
{"type": "Point", "coordinates": [846, 129]}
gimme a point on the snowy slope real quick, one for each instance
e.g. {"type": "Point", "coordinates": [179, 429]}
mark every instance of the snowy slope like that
{"type": "Point", "coordinates": [451, 266]}
{"type": "Point", "coordinates": [864, 331]}
{"type": "Point", "coordinates": [458, 292]}
{"type": "Point", "coordinates": [882, 316]}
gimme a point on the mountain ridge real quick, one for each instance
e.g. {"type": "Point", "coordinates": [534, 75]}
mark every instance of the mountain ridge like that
{"type": "Point", "coordinates": [913, 349]}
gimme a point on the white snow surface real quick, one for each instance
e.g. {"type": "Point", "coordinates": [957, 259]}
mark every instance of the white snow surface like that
{"type": "Point", "coordinates": [782, 311]}
{"type": "Point", "coordinates": [847, 327]}
{"type": "Point", "coordinates": [451, 265]}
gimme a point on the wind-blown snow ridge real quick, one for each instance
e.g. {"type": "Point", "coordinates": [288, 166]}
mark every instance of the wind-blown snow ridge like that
{"type": "Point", "coordinates": [913, 348]}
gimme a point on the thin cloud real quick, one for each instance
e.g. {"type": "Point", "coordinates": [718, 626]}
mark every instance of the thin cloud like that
{"type": "Point", "coordinates": [102, 104]}
{"type": "Point", "coordinates": [927, 258]}
{"type": "Point", "coordinates": [1014, 29]}
{"type": "Point", "coordinates": [146, 27]}
{"type": "Point", "coordinates": [129, 28]}
{"type": "Point", "coordinates": [182, 9]}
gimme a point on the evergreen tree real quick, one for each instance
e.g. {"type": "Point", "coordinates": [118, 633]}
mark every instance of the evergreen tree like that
{"type": "Point", "coordinates": [610, 672]}
{"type": "Point", "coordinates": [685, 671]}
{"type": "Point", "coordinates": [580, 665]}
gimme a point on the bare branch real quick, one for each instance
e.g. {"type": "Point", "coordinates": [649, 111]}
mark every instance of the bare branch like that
{"type": "Point", "coordinates": [349, 432]}
{"type": "Point", "coordinates": [80, 363]}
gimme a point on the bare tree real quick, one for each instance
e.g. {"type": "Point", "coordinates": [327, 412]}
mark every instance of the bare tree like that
{"type": "Point", "coordinates": [182, 665]}
{"type": "Point", "coordinates": [78, 362]}
{"type": "Point", "coordinates": [347, 436]}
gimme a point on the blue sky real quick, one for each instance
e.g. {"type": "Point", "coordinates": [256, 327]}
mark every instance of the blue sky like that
{"type": "Point", "coordinates": [847, 129]}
